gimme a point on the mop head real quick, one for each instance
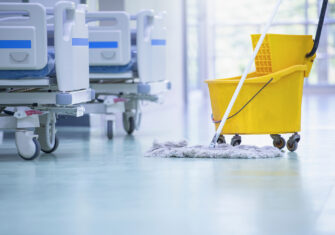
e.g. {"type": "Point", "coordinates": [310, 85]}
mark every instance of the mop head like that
{"type": "Point", "coordinates": [182, 150]}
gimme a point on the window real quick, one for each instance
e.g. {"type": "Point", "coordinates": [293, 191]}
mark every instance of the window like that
{"type": "Point", "coordinates": [227, 36]}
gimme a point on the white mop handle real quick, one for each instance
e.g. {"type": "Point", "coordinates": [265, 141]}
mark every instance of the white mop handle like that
{"type": "Point", "coordinates": [245, 73]}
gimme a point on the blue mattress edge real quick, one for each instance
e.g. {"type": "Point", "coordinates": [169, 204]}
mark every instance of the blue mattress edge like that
{"type": "Point", "coordinates": [48, 70]}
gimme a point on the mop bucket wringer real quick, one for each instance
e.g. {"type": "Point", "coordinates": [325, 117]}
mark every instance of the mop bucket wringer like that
{"type": "Point", "coordinates": [270, 99]}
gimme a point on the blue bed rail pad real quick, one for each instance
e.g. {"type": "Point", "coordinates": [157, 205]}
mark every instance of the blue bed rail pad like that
{"type": "Point", "coordinates": [103, 44]}
{"type": "Point", "coordinates": [79, 41]}
{"type": "Point", "coordinates": [158, 42]}
{"type": "Point", "coordinates": [15, 44]}
{"type": "Point", "coordinates": [48, 70]}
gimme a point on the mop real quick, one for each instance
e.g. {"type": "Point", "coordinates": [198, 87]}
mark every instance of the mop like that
{"type": "Point", "coordinates": [215, 150]}
{"type": "Point", "coordinates": [182, 150]}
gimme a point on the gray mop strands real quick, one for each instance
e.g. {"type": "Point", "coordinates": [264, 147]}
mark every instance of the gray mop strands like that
{"type": "Point", "coordinates": [182, 150]}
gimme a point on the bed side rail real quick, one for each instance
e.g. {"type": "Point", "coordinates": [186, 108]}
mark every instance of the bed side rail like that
{"type": "Point", "coordinates": [109, 45]}
{"type": "Point", "coordinates": [23, 36]}
{"type": "Point", "coordinates": [151, 46]}
{"type": "Point", "coordinates": [71, 46]}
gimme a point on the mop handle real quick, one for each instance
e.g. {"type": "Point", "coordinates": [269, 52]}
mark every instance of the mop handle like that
{"type": "Point", "coordinates": [245, 73]}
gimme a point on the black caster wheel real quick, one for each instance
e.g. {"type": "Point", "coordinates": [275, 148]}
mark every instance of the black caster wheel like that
{"type": "Point", "coordinates": [236, 140]}
{"type": "Point", "coordinates": [47, 133]}
{"type": "Point", "coordinates": [292, 146]}
{"type": "Point", "coordinates": [221, 140]}
{"type": "Point", "coordinates": [278, 141]}
{"type": "Point", "coordinates": [53, 148]}
{"type": "Point", "coordinates": [37, 151]}
{"type": "Point", "coordinates": [110, 129]}
{"type": "Point", "coordinates": [292, 143]}
{"type": "Point", "coordinates": [129, 124]}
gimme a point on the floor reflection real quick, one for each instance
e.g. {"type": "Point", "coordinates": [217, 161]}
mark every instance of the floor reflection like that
{"type": "Point", "coordinates": [92, 184]}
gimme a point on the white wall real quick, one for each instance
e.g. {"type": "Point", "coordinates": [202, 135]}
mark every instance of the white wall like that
{"type": "Point", "coordinates": [174, 42]}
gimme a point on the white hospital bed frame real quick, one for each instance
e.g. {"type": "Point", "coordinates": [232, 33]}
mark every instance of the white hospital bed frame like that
{"type": "Point", "coordinates": [30, 105]}
{"type": "Point", "coordinates": [131, 87]}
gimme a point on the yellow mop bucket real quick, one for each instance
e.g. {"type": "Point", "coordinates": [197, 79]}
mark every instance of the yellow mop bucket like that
{"type": "Point", "coordinates": [270, 99]}
{"type": "Point", "coordinates": [267, 101]}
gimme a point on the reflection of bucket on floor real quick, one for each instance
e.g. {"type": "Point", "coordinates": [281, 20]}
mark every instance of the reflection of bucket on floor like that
{"type": "Point", "coordinates": [1, 137]}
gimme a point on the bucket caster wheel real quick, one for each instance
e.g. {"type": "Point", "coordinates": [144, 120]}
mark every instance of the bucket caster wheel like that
{"type": "Point", "coordinates": [128, 123]}
{"type": "Point", "coordinates": [27, 145]}
{"type": "Point", "coordinates": [56, 143]}
{"type": "Point", "coordinates": [110, 129]}
{"type": "Point", "coordinates": [236, 140]}
{"type": "Point", "coordinates": [278, 141]}
{"type": "Point", "coordinates": [221, 139]}
{"type": "Point", "coordinates": [292, 143]}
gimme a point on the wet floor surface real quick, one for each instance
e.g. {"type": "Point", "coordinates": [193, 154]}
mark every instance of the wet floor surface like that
{"type": "Point", "coordinates": [92, 185]}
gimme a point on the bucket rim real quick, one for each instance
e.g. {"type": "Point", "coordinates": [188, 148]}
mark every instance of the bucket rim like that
{"type": "Point", "coordinates": [283, 34]}
{"type": "Point", "coordinates": [259, 79]}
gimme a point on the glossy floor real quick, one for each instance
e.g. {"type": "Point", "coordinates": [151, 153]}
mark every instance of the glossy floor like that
{"type": "Point", "coordinates": [94, 186]}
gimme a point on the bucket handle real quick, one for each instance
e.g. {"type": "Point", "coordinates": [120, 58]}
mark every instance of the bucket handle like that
{"type": "Point", "coordinates": [319, 29]}
{"type": "Point", "coordinates": [259, 91]}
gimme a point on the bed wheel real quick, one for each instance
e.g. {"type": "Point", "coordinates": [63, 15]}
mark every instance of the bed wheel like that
{"type": "Point", "coordinates": [132, 116]}
{"type": "Point", "coordinates": [128, 124]}
{"type": "Point", "coordinates": [56, 143]}
{"type": "Point", "coordinates": [27, 144]}
{"type": "Point", "coordinates": [47, 133]}
{"type": "Point", "coordinates": [110, 129]}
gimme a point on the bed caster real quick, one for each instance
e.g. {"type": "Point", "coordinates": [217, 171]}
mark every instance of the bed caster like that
{"type": "Point", "coordinates": [221, 139]}
{"type": "Point", "coordinates": [130, 121]}
{"type": "Point", "coordinates": [53, 149]}
{"type": "Point", "coordinates": [278, 141]}
{"type": "Point", "coordinates": [47, 133]}
{"type": "Point", "coordinates": [292, 143]}
{"type": "Point", "coordinates": [236, 140]}
{"type": "Point", "coordinates": [129, 125]}
{"type": "Point", "coordinates": [27, 144]}
{"type": "Point", "coordinates": [110, 129]}
{"type": "Point", "coordinates": [132, 116]}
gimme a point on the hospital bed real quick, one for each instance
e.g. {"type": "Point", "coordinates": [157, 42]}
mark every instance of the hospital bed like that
{"type": "Point", "coordinates": [127, 65]}
{"type": "Point", "coordinates": [38, 82]}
